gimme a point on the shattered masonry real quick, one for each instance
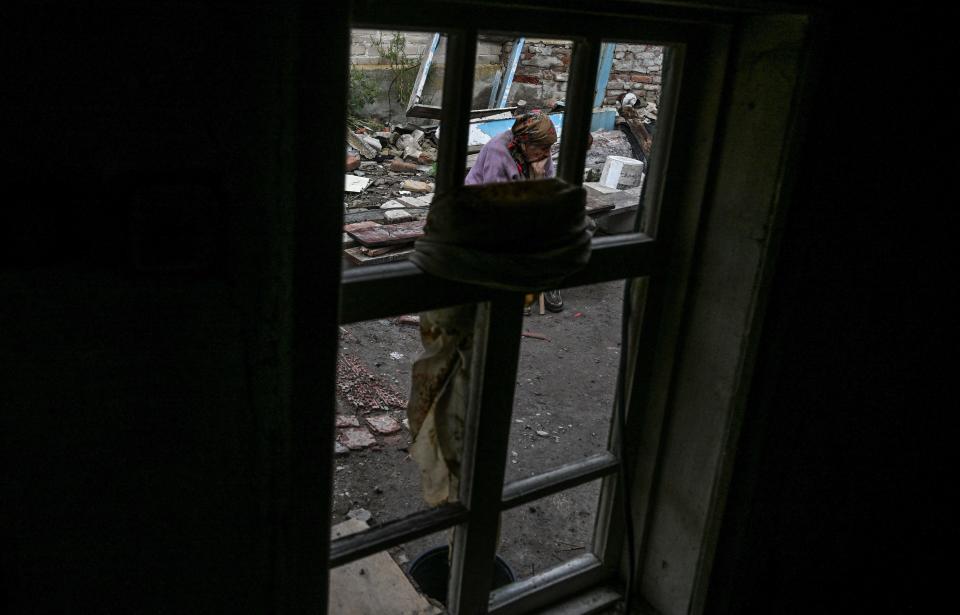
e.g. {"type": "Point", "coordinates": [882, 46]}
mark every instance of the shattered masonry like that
{"type": "Point", "coordinates": [364, 389]}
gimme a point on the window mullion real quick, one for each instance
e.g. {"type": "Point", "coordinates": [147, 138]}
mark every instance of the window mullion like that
{"type": "Point", "coordinates": [484, 461]}
{"type": "Point", "coordinates": [576, 121]}
{"type": "Point", "coordinates": [455, 110]}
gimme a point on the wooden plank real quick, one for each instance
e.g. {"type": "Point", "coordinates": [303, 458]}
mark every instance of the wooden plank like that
{"type": "Point", "coordinates": [595, 206]}
{"type": "Point", "coordinates": [357, 226]}
{"type": "Point", "coordinates": [357, 257]}
{"type": "Point", "coordinates": [432, 112]}
{"type": "Point", "coordinates": [389, 234]}
{"type": "Point", "coordinates": [374, 584]}
{"type": "Point", "coordinates": [377, 215]}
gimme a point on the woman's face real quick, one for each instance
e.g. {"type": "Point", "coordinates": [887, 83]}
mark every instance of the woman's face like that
{"type": "Point", "coordinates": [537, 156]}
{"type": "Point", "coordinates": [535, 153]}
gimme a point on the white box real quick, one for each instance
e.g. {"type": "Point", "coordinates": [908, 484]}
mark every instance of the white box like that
{"type": "Point", "coordinates": [621, 172]}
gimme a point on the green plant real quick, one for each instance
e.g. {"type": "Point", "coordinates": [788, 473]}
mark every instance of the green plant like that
{"type": "Point", "coordinates": [399, 65]}
{"type": "Point", "coordinates": [363, 91]}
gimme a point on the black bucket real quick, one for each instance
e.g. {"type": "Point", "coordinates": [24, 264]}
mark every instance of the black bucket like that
{"type": "Point", "coordinates": [431, 571]}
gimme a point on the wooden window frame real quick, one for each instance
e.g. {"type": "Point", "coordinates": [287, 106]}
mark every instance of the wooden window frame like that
{"type": "Point", "coordinates": [695, 177]}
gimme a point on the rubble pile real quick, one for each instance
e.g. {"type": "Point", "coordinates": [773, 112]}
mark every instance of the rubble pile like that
{"type": "Point", "coordinates": [389, 183]}
{"type": "Point", "coordinates": [374, 401]}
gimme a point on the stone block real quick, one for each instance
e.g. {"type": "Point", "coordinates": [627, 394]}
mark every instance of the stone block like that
{"type": "Point", "coordinates": [372, 142]}
{"type": "Point", "coordinates": [612, 196]}
{"type": "Point", "coordinates": [621, 172]}
{"type": "Point", "coordinates": [416, 186]}
{"type": "Point", "coordinates": [394, 216]}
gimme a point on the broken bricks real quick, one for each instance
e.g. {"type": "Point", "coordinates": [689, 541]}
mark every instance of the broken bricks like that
{"type": "Point", "coordinates": [366, 150]}
{"type": "Point", "coordinates": [416, 186]}
{"type": "Point", "coordinates": [356, 438]}
{"type": "Point", "coordinates": [383, 424]}
{"type": "Point", "coordinates": [400, 166]}
{"type": "Point", "coordinates": [345, 420]}
{"type": "Point", "coordinates": [359, 226]}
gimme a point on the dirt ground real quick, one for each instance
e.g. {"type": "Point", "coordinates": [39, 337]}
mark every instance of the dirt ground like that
{"type": "Point", "coordinates": [562, 412]}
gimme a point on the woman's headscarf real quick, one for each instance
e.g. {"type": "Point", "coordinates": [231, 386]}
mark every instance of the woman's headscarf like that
{"type": "Point", "coordinates": [534, 128]}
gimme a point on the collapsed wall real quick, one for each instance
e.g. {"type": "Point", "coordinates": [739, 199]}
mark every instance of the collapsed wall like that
{"type": "Point", "coordinates": [541, 75]}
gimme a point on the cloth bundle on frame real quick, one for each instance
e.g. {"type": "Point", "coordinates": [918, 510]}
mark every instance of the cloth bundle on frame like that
{"type": "Point", "coordinates": [512, 236]}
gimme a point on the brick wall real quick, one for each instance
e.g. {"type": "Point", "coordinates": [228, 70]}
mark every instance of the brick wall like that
{"type": "Point", "coordinates": [542, 71]}
{"type": "Point", "coordinates": [636, 68]}
{"type": "Point", "coordinates": [365, 56]}
{"type": "Point", "coordinates": [363, 48]}
{"type": "Point", "coordinates": [541, 75]}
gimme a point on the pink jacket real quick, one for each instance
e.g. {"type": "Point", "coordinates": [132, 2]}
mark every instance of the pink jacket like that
{"type": "Point", "coordinates": [495, 164]}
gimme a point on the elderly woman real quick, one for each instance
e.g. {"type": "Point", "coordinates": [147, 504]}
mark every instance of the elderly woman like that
{"type": "Point", "coordinates": [521, 153]}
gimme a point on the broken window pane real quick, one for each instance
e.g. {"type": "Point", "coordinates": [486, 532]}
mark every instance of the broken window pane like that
{"type": "Point", "coordinates": [566, 378]}
{"type": "Point", "coordinates": [550, 531]}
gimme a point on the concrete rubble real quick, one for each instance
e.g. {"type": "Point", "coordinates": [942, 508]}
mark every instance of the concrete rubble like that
{"type": "Point", "coordinates": [417, 186]}
{"type": "Point", "coordinates": [383, 424]}
{"type": "Point", "coordinates": [356, 438]}
{"type": "Point", "coordinates": [390, 174]}
{"type": "Point", "coordinates": [395, 216]}
{"type": "Point", "coordinates": [344, 420]}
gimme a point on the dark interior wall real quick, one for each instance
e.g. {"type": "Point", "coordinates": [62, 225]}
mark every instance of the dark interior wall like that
{"type": "Point", "coordinates": [146, 378]}
{"type": "Point", "coordinates": [837, 500]}
{"type": "Point", "coordinates": [146, 269]}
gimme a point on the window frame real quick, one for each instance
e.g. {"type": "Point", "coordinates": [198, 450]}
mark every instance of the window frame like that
{"type": "Point", "coordinates": [669, 258]}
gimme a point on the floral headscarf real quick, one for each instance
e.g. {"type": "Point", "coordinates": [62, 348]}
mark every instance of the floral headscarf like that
{"type": "Point", "coordinates": [533, 128]}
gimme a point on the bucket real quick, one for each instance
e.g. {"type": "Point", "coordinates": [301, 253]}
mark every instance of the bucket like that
{"type": "Point", "coordinates": [431, 572]}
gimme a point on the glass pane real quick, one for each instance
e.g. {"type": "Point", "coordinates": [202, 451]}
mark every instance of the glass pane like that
{"type": "Point", "coordinates": [623, 130]}
{"type": "Point", "coordinates": [566, 379]}
{"type": "Point", "coordinates": [396, 80]}
{"type": "Point", "coordinates": [375, 479]}
{"type": "Point", "coordinates": [550, 531]}
{"type": "Point", "coordinates": [398, 580]}
{"type": "Point", "coordinates": [516, 75]}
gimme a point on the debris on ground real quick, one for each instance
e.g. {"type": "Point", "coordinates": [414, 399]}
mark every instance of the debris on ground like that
{"type": "Point", "coordinates": [363, 389]}
{"type": "Point", "coordinates": [536, 336]}
{"type": "Point", "coordinates": [345, 420]}
{"type": "Point", "coordinates": [400, 166]}
{"type": "Point", "coordinates": [354, 183]}
{"type": "Point", "coordinates": [409, 319]}
{"type": "Point", "coordinates": [417, 186]}
{"type": "Point", "coordinates": [356, 438]}
{"type": "Point", "coordinates": [383, 424]}
{"type": "Point", "coordinates": [360, 514]}
{"type": "Point", "coordinates": [390, 181]}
